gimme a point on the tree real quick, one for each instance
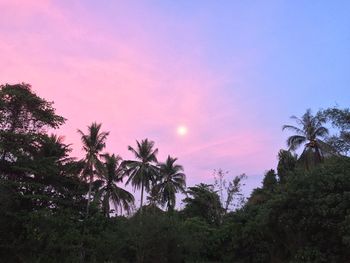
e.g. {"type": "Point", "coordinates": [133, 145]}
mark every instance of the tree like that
{"type": "Point", "coordinates": [270, 180]}
{"type": "Point", "coordinates": [270, 186]}
{"type": "Point", "coordinates": [23, 117]}
{"type": "Point", "coordinates": [46, 177]}
{"type": "Point", "coordinates": [22, 111]}
{"type": "Point", "coordinates": [143, 171]}
{"type": "Point", "coordinates": [202, 201]}
{"type": "Point", "coordinates": [35, 164]}
{"type": "Point", "coordinates": [220, 183]}
{"type": "Point", "coordinates": [172, 180]}
{"type": "Point", "coordinates": [93, 144]}
{"type": "Point", "coordinates": [306, 221]}
{"type": "Point", "coordinates": [232, 189]}
{"type": "Point", "coordinates": [310, 132]}
{"type": "Point", "coordinates": [54, 174]}
{"type": "Point", "coordinates": [340, 119]}
{"type": "Point", "coordinates": [286, 164]}
{"type": "Point", "coordinates": [111, 174]}
{"type": "Point", "coordinates": [154, 198]}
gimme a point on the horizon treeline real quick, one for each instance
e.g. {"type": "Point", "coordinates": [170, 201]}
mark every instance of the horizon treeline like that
{"type": "Point", "coordinates": [57, 208]}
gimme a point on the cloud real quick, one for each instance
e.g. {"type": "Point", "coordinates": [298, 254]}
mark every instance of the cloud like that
{"type": "Point", "coordinates": [138, 87]}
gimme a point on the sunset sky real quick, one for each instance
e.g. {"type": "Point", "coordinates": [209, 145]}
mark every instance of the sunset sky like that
{"type": "Point", "coordinates": [211, 82]}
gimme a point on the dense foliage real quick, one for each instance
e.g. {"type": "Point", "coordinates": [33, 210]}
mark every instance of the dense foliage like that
{"type": "Point", "coordinates": [54, 208]}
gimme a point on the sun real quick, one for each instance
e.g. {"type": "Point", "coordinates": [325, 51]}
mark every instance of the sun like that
{"type": "Point", "coordinates": [182, 130]}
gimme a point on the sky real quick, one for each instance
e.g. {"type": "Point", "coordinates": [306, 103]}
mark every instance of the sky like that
{"type": "Point", "coordinates": [231, 72]}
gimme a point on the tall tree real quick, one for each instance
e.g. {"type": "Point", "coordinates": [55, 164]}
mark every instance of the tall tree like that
{"type": "Point", "coordinates": [270, 180]}
{"type": "Point", "coordinates": [340, 119]}
{"type": "Point", "coordinates": [142, 172]}
{"type": "Point", "coordinates": [21, 110]}
{"type": "Point", "coordinates": [172, 180]}
{"type": "Point", "coordinates": [50, 177]}
{"type": "Point", "coordinates": [94, 141]}
{"type": "Point", "coordinates": [220, 183]}
{"type": "Point", "coordinates": [23, 117]}
{"type": "Point", "coordinates": [234, 195]}
{"type": "Point", "coordinates": [310, 132]}
{"type": "Point", "coordinates": [286, 164]}
{"type": "Point", "coordinates": [111, 174]}
{"type": "Point", "coordinates": [202, 201]}
{"type": "Point", "coordinates": [229, 191]}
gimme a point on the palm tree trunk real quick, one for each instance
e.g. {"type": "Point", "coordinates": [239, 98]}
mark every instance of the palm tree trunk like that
{"type": "Point", "coordinates": [107, 208]}
{"type": "Point", "coordinates": [89, 196]}
{"type": "Point", "coordinates": [170, 210]}
{"type": "Point", "coordinates": [318, 154]}
{"type": "Point", "coordinates": [141, 197]}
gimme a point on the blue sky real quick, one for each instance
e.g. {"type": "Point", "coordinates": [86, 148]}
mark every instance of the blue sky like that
{"type": "Point", "coordinates": [233, 72]}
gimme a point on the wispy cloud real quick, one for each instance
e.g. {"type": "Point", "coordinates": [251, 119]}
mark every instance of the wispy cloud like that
{"type": "Point", "coordinates": [138, 84]}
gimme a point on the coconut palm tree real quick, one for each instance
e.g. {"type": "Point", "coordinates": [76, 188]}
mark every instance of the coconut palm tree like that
{"type": "Point", "coordinates": [310, 133]}
{"type": "Point", "coordinates": [112, 173]}
{"type": "Point", "coordinates": [172, 181]}
{"type": "Point", "coordinates": [93, 144]}
{"type": "Point", "coordinates": [143, 172]}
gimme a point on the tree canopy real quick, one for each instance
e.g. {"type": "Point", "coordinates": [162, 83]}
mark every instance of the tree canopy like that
{"type": "Point", "coordinates": [298, 214]}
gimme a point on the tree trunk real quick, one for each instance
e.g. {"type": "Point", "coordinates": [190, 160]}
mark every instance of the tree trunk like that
{"type": "Point", "coordinates": [107, 208]}
{"type": "Point", "coordinates": [319, 154]}
{"type": "Point", "coordinates": [89, 196]}
{"type": "Point", "coordinates": [141, 208]}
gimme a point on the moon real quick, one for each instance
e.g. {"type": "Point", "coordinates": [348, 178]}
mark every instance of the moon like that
{"type": "Point", "coordinates": [182, 130]}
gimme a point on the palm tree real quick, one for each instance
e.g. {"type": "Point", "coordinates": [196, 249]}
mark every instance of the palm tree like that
{"type": "Point", "coordinates": [111, 174]}
{"type": "Point", "coordinates": [143, 171]}
{"type": "Point", "coordinates": [172, 181]}
{"type": "Point", "coordinates": [93, 144]}
{"type": "Point", "coordinates": [309, 133]}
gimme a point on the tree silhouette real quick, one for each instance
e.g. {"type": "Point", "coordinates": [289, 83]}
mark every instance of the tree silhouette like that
{"type": "Point", "coordinates": [309, 132]}
{"type": "Point", "coordinates": [93, 143]}
{"type": "Point", "coordinates": [172, 180]}
{"type": "Point", "coordinates": [112, 173]}
{"type": "Point", "coordinates": [143, 171]}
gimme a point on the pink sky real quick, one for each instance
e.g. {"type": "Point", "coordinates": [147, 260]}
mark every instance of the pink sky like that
{"type": "Point", "coordinates": [141, 73]}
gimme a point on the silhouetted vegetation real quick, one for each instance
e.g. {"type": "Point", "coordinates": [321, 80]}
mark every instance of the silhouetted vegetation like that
{"type": "Point", "coordinates": [55, 208]}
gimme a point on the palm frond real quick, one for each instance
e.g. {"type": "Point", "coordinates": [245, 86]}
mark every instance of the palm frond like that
{"type": "Point", "coordinates": [321, 132]}
{"type": "Point", "coordinates": [293, 128]}
{"type": "Point", "coordinates": [295, 141]}
{"type": "Point", "coordinates": [136, 154]}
